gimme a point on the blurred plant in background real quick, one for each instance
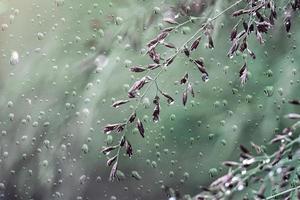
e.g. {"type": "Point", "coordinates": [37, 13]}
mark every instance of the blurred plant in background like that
{"type": "Point", "coordinates": [62, 65]}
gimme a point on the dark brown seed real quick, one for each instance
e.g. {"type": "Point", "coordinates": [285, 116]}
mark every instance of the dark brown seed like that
{"type": "Point", "coordinates": [263, 27]}
{"type": "Point", "coordinates": [168, 29]}
{"type": "Point", "coordinates": [295, 102]}
{"type": "Point", "coordinates": [233, 33]}
{"type": "Point", "coordinates": [120, 128]}
{"type": "Point", "coordinates": [169, 45]}
{"type": "Point", "coordinates": [170, 60]}
{"type": "Point", "coordinates": [140, 127]}
{"type": "Point", "coordinates": [244, 149]}
{"type": "Point", "coordinates": [170, 100]}
{"type": "Point", "coordinates": [111, 127]}
{"type": "Point", "coordinates": [200, 65]}
{"type": "Point", "coordinates": [152, 43]}
{"type": "Point", "coordinates": [195, 44]}
{"type": "Point", "coordinates": [231, 163]}
{"type": "Point", "coordinates": [122, 142]}
{"type": "Point", "coordinates": [111, 160]}
{"type": "Point", "coordinates": [259, 16]}
{"type": "Point", "coordinates": [116, 104]}
{"type": "Point", "coordinates": [107, 150]}
{"type": "Point", "coordinates": [287, 23]}
{"type": "Point", "coordinates": [186, 52]}
{"type": "Point", "coordinates": [243, 46]}
{"type": "Point", "coordinates": [154, 56]}
{"type": "Point", "coordinates": [162, 36]}
{"type": "Point", "coordinates": [137, 86]}
{"type": "Point", "coordinates": [199, 62]}
{"type": "Point", "coordinates": [184, 79]}
{"type": "Point", "coordinates": [128, 148]}
{"type": "Point", "coordinates": [137, 69]}
{"type": "Point", "coordinates": [132, 117]}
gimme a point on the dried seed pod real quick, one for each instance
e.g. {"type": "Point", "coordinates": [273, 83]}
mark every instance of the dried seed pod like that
{"type": "Point", "coordinates": [184, 79]}
{"type": "Point", "coordinates": [263, 27]}
{"type": "Point", "coordinates": [113, 127]}
{"type": "Point", "coordinates": [140, 127]}
{"type": "Point", "coordinates": [170, 60]}
{"type": "Point", "coordinates": [117, 104]}
{"type": "Point", "coordinates": [287, 23]}
{"type": "Point", "coordinates": [122, 142]}
{"type": "Point", "coordinates": [169, 45]}
{"type": "Point", "coordinates": [244, 149]}
{"type": "Point", "coordinates": [128, 147]}
{"type": "Point", "coordinates": [244, 45]}
{"type": "Point", "coordinates": [231, 163]}
{"type": "Point", "coordinates": [169, 29]}
{"type": "Point", "coordinates": [121, 127]}
{"type": "Point", "coordinates": [132, 117]}
{"type": "Point", "coordinates": [162, 36]}
{"type": "Point", "coordinates": [295, 102]}
{"type": "Point", "coordinates": [154, 55]}
{"type": "Point", "coordinates": [111, 160]}
{"type": "Point", "coordinates": [233, 33]}
{"type": "Point", "coordinates": [107, 150]}
{"type": "Point", "coordinates": [170, 100]}
{"type": "Point", "coordinates": [137, 86]}
{"type": "Point", "coordinates": [137, 69]}
{"type": "Point", "coordinates": [201, 67]}
{"type": "Point", "coordinates": [186, 52]}
{"type": "Point", "coordinates": [195, 44]}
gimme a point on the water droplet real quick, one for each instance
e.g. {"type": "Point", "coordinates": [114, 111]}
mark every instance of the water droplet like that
{"type": "Point", "coordinates": [14, 58]}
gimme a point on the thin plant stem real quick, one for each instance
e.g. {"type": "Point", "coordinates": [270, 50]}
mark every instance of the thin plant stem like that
{"type": "Point", "coordinates": [283, 192]}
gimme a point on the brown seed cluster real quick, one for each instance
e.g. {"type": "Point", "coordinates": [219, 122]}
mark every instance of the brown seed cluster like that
{"type": "Point", "coordinates": [256, 18]}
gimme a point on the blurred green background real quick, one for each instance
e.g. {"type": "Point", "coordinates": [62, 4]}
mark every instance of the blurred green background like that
{"type": "Point", "coordinates": [74, 57]}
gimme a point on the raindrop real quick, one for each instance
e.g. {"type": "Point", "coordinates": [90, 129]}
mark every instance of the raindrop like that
{"type": "Point", "coordinates": [14, 58]}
